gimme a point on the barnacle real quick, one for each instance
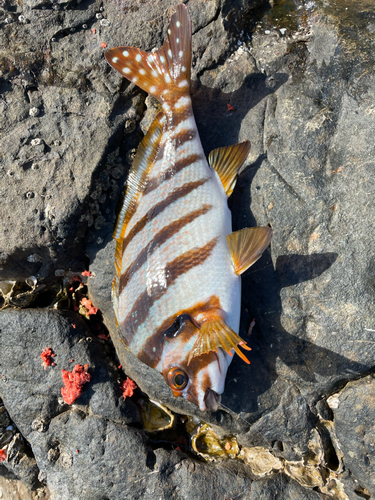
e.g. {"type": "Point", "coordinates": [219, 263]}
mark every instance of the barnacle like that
{"type": "Point", "coordinates": [261, 461]}
{"type": "Point", "coordinates": [24, 293]}
{"type": "Point", "coordinates": [12, 444]}
{"type": "Point", "coordinates": [155, 416]}
{"type": "Point", "coordinates": [209, 445]}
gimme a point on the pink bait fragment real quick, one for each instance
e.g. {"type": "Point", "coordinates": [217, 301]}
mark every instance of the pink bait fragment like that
{"type": "Point", "coordinates": [74, 382]}
{"type": "Point", "coordinates": [127, 388]}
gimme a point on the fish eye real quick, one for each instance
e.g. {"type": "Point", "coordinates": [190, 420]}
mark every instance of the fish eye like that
{"type": "Point", "coordinates": [177, 379]}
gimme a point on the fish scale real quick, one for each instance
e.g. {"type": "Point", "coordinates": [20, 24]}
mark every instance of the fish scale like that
{"type": "Point", "coordinates": [177, 287]}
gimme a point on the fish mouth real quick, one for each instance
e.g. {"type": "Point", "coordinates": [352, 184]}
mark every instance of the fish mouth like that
{"type": "Point", "coordinates": [212, 399]}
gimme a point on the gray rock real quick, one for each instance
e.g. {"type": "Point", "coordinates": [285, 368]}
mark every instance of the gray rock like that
{"type": "Point", "coordinates": [306, 339]}
{"type": "Point", "coordinates": [281, 486]}
{"type": "Point", "coordinates": [354, 420]}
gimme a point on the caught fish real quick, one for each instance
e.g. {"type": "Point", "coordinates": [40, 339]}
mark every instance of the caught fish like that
{"type": "Point", "coordinates": [177, 288]}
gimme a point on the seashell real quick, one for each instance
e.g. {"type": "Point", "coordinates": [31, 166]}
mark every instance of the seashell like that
{"type": "Point", "coordinates": [260, 460]}
{"type": "Point", "coordinates": [209, 445]}
{"type": "Point", "coordinates": [156, 417]}
{"type": "Point", "coordinates": [23, 294]}
{"type": "Point", "coordinates": [306, 475]}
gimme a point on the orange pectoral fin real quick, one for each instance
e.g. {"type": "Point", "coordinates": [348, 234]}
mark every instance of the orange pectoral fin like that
{"type": "Point", "coordinates": [247, 245]}
{"type": "Point", "coordinates": [215, 333]}
{"type": "Point", "coordinates": [227, 161]}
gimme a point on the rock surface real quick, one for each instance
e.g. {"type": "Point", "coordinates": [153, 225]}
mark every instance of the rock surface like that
{"type": "Point", "coordinates": [299, 77]}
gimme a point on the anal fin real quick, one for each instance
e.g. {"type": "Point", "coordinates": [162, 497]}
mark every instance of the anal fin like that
{"type": "Point", "coordinates": [227, 162]}
{"type": "Point", "coordinates": [247, 245]}
{"type": "Point", "coordinates": [215, 333]}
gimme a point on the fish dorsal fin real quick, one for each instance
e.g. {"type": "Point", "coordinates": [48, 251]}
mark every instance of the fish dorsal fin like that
{"type": "Point", "coordinates": [166, 72]}
{"type": "Point", "coordinates": [247, 245]}
{"type": "Point", "coordinates": [215, 333]}
{"type": "Point", "coordinates": [137, 180]}
{"type": "Point", "coordinates": [227, 161]}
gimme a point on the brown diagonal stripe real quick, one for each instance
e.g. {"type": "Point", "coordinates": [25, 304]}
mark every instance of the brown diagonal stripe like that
{"type": "Point", "coordinates": [177, 267]}
{"type": "Point", "coordinates": [181, 137]}
{"type": "Point", "coordinates": [161, 237]}
{"type": "Point", "coordinates": [159, 207]}
{"type": "Point", "coordinates": [172, 171]}
{"type": "Point", "coordinates": [180, 116]}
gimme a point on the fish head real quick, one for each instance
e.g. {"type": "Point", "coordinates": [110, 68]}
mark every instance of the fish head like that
{"type": "Point", "coordinates": [200, 379]}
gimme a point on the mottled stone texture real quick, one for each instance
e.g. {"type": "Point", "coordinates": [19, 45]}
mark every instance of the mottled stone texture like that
{"type": "Point", "coordinates": [300, 79]}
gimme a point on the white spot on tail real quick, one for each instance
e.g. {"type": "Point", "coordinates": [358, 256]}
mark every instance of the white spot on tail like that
{"type": "Point", "coordinates": [134, 79]}
{"type": "Point", "coordinates": [184, 83]}
{"type": "Point", "coordinates": [142, 71]}
{"type": "Point", "coordinates": [125, 53]}
{"type": "Point", "coordinates": [162, 59]}
{"type": "Point", "coordinates": [178, 24]}
{"type": "Point", "coordinates": [165, 106]}
{"type": "Point", "coordinates": [138, 57]}
{"type": "Point", "coordinates": [115, 59]}
{"type": "Point", "coordinates": [169, 32]}
{"type": "Point", "coordinates": [167, 78]}
{"type": "Point", "coordinates": [169, 52]}
{"type": "Point", "coordinates": [183, 68]}
{"type": "Point", "coordinates": [153, 89]}
{"type": "Point", "coordinates": [183, 101]}
{"type": "Point", "coordinates": [181, 53]}
{"type": "Point", "coordinates": [177, 40]}
{"type": "Point", "coordinates": [126, 70]}
{"type": "Point", "coordinates": [154, 73]}
{"type": "Point", "coordinates": [150, 59]}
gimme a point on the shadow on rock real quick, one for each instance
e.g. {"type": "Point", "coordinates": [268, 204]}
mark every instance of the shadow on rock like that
{"type": "Point", "coordinates": [293, 269]}
{"type": "Point", "coordinates": [279, 360]}
{"type": "Point", "coordinates": [219, 126]}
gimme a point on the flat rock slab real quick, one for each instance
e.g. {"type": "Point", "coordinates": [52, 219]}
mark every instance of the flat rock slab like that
{"type": "Point", "coordinates": [90, 450]}
{"type": "Point", "coordinates": [354, 419]}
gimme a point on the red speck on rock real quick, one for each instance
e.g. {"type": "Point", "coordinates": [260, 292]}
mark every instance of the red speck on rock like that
{"type": "Point", "coordinates": [230, 107]}
{"type": "Point", "coordinates": [3, 456]}
{"type": "Point", "coordinates": [76, 278]}
{"type": "Point", "coordinates": [73, 325]}
{"type": "Point", "coordinates": [119, 367]}
{"type": "Point", "coordinates": [103, 336]}
{"type": "Point", "coordinates": [46, 356]}
{"type": "Point", "coordinates": [86, 273]}
{"type": "Point", "coordinates": [127, 387]}
{"type": "Point", "coordinates": [93, 30]}
{"type": "Point", "coordinates": [74, 382]}
{"type": "Point", "coordinates": [104, 45]}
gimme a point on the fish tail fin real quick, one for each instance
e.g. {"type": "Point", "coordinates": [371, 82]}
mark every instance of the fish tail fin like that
{"type": "Point", "coordinates": [165, 74]}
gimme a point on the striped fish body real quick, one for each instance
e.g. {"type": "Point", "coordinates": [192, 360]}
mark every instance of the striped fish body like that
{"type": "Point", "coordinates": [177, 287]}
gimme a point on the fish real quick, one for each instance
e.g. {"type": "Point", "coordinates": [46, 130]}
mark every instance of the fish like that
{"type": "Point", "coordinates": [178, 264]}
